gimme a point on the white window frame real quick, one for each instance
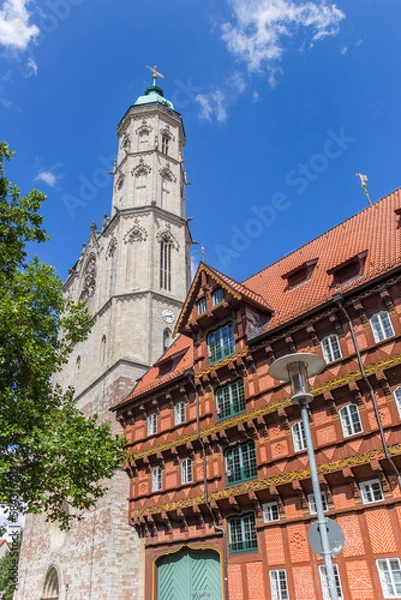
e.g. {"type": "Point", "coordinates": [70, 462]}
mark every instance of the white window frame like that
{"type": "Point", "coordinates": [312, 503]}
{"type": "Point", "coordinates": [368, 492]}
{"type": "Point", "coordinates": [202, 306]}
{"type": "Point", "coordinates": [156, 479]}
{"type": "Point", "coordinates": [397, 398]}
{"type": "Point", "coordinates": [180, 413]}
{"type": "Point", "coordinates": [271, 512]}
{"type": "Point", "coordinates": [389, 584]}
{"type": "Point", "coordinates": [382, 326]}
{"type": "Point", "coordinates": [152, 423]}
{"type": "Point", "coordinates": [331, 348]}
{"type": "Point", "coordinates": [324, 580]}
{"type": "Point", "coordinates": [217, 296]}
{"type": "Point", "coordinates": [348, 422]}
{"type": "Point", "coordinates": [298, 436]}
{"type": "Point", "coordinates": [279, 584]}
{"type": "Point", "coordinates": [186, 471]}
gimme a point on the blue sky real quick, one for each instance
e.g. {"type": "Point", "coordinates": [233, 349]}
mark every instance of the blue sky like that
{"type": "Point", "coordinates": [283, 103]}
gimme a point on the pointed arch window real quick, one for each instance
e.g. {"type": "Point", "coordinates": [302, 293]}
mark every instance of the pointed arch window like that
{"type": "Point", "coordinates": [165, 142]}
{"type": "Point", "coordinates": [166, 339]}
{"type": "Point", "coordinates": [51, 590]}
{"type": "Point", "coordinates": [165, 263]}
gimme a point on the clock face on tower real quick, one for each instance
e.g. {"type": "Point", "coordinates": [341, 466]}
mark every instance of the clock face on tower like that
{"type": "Point", "coordinates": [168, 316]}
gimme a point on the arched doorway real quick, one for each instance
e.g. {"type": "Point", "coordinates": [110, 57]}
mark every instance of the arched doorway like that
{"type": "Point", "coordinates": [189, 575]}
{"type": "Point", "coordinates": [52, 586]}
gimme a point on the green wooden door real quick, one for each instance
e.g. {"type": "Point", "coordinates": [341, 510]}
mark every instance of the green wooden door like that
{"type": "Point", "coordinates": [189, 575]}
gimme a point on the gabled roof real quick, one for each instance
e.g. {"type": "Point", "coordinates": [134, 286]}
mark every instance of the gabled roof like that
{"type": "Point", "coordinates": [237, 290]}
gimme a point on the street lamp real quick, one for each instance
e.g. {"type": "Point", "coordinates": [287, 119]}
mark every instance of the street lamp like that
{"type": "Point", "coordinates": [296, 369]}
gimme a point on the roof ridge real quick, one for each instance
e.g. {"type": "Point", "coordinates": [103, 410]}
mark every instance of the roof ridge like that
{"type": "Point", "coordinates": [398, 189]}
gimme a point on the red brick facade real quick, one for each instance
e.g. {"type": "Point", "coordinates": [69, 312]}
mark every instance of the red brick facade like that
{"type": "Point", "coordinates": [215, 462]}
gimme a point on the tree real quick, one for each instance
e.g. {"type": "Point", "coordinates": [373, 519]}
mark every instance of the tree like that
{"type": "Point", "coordinates": [51, 457]}
{"type": "Point", "coordinates": [9, 569]}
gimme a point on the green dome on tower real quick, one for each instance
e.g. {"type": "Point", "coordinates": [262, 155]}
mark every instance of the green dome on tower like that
{"type": "Point", "coordinates": [154, 93]}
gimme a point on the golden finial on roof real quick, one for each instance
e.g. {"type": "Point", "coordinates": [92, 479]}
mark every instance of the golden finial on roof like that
{"type": "Point", "coordinates": [364, 179]}
{"type": "Point", "coordinates": [155, 73]}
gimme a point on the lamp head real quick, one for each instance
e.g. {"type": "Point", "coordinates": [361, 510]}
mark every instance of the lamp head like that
{"type": "Point", "coordinates": [296, 369]}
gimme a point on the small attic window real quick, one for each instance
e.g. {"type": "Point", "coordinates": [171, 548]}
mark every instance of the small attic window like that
{"type": "Point", "coordinates": [201, 304]}
{"type": "Point", "coordinates": [300, 275]}
{"type": "Point", "coordinates": [348, 270]}
{"type": "Point", "coordinates": [217, 296]}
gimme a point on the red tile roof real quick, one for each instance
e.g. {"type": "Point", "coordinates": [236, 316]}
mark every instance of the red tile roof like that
{"type": "Point", "coordinates": [240, 288]}
{"type": "Point", "coordinates": [182, 350]}
{"type": "Point", "coordinates": [376, 229]}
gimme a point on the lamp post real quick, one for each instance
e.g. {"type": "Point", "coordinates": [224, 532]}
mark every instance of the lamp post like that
{"type": "Point", "coordinates": [296, 368]}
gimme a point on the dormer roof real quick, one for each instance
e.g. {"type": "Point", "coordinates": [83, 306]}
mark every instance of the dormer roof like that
{"type": "Point", "coordinates": [237, 290]}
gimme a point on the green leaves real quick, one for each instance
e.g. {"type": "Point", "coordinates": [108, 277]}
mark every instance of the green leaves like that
{"type": "Point", "coordinates": [51, 457]}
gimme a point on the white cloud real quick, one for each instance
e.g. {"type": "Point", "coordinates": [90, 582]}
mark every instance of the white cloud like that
{"type": "Point", "coordinates": [237, 82]}
{"type": "Point", "coordinates": [213, 104]}
{"type": "Point", "coordinates": [15, 30]}
{"type": "Point", "coordinates": [32, 67]}
{"type": "Point", "coordinates": [263, 27]}
{"type": "Point", "coordinates": [6, 103]}
{"type": "Point", "coordinates": [48, 177]}
{"type": "Point", "coordinates": [344, 50]}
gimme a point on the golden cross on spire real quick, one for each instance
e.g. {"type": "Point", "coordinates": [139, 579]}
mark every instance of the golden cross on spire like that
{"type": "Point", "coordinates": [155, 73]}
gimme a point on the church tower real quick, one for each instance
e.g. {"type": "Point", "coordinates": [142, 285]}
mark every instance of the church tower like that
{"type": "Point", "coordinates": [133, 273]}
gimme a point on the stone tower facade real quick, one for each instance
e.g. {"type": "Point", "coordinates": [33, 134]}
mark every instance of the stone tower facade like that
{"type": "Point", "coordinates": [133, 273]}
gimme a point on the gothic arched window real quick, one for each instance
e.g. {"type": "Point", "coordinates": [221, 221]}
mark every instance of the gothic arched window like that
{"type": "Point", "coordinates": [165, 263]}
{"type": "Point", "coordinates": [166, 339]}
{"type": "Point", "coordinates": [165, 141]}
{"type": "Point", "coordinates": [52, 586]}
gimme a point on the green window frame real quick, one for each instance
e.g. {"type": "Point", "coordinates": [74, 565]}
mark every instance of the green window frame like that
{"type": "Point", "coordinates": [241, 462]}
{"type": "Point", "coordinates": [230, 399]}
{"type": "Point", "coordinates": [243, 535]}
{"type": "Point", "coordinates": [221, 343]}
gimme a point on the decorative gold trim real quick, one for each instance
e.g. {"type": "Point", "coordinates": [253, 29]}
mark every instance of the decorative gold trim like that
{"type": "Point", "coordinates": [261, 484]}
{"type": "Point", "coordinates": [269, 408]}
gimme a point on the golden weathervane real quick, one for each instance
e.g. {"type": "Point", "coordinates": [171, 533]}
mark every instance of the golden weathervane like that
{"type": "Point", "coordinates": [155, 73]}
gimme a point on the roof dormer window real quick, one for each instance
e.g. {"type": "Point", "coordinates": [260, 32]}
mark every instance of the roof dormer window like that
{"type": "Point", "coordinates": [300, 275]}
{"type": "Point", "coordinates": [349, 270]}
